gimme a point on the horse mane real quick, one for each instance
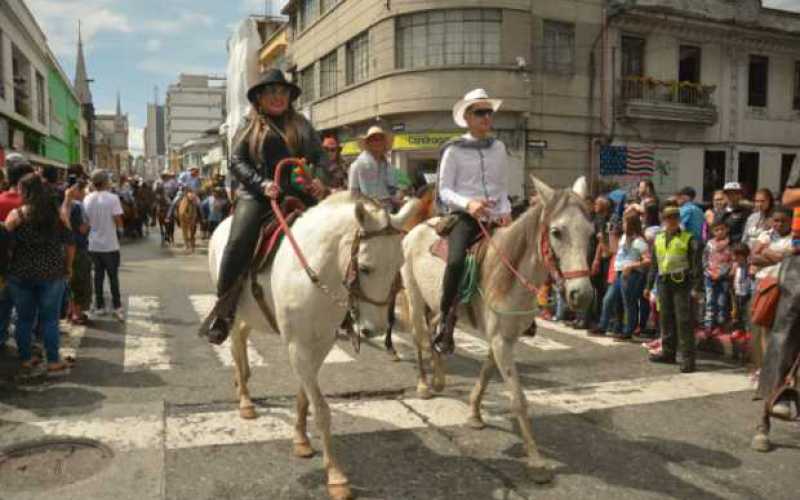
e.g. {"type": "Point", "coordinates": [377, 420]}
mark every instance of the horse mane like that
{"type": "Point", "coordinates": [516, 240]}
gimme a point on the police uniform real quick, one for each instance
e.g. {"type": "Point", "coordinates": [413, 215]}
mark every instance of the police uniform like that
{"type": "Point", "coordinates": [677, 268]}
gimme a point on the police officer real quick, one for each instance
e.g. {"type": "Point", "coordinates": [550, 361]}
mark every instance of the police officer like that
{"type": "Point", "coordinates": [678, 269]}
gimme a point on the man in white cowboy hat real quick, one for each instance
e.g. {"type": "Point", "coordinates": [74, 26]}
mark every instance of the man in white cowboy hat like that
{"type": "Point", "coordinates": [189, 180]}
{"type": "Point", "coordinates": [371, 174]}
{"type": "Point", "coordinates": [471, 187]}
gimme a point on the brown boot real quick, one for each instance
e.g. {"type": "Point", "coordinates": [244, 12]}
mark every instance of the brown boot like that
{"type": "Point", "coordinates": [443, 342]}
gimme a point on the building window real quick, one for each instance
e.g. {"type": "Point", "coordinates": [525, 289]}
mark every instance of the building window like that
{"type": "Point", "coordinates": [327, 73]}
{"type": "Point", "coordinates": [632, 56]}
{"type": "Point", "coordinates": [357, 50]}
{"type": "Point", "coordinates": [307, 87]}
{"type": "Point", "coordinates": [796, 104]}
{"type": "Point", "coordinates": [689, 68]}
{"type": "Point", "coordinates": [748, 172]}
{"type": "Point", "coordinates": [40, 104]}
{"type": "Point", "coordinates": [448, 37]}
{"type": "Point", "coordinates": [559, 47]}
{"type": "Point", "coordinates": [21, 77]}
{"type": "Point", "coordinates": [787, 162]}
{"type": "Point", "coordinates": [307, 12]}
{"type": "Point", "coordinates": [758, 82]}
{"type": "Point", "coordinates": [326, 5]}
{"type": "Point", "coordinates": [2, 69]}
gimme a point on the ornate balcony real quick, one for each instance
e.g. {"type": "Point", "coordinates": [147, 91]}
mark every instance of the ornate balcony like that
{"type": "Point", "coordinates": [645, 98]}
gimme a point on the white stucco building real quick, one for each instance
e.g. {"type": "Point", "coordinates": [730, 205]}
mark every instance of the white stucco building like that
{"type": "Point", "coordinates": [195, 104]}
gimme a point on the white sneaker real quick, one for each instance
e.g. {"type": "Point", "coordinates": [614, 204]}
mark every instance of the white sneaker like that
{"type": "Point", "coordinates": [119, 315]}
{"type": "Point", "coordinates": [99, 311]}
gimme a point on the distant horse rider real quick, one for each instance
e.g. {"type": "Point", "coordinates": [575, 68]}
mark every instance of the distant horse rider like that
{"type": "Point", "coordinates": [472, 187]}
{"type": "Point", "coordinates": [272, 132]}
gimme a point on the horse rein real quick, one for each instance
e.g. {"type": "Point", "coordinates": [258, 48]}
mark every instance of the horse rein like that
{"type": "Point", "coordinates": [548, 256]}
{"type": "Point", "coordinates": [352, 285]}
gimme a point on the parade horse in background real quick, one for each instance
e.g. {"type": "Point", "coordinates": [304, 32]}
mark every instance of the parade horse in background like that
{"type": "Point", "coordinates": [166, 228]}
{"type": "Point", "coordinates": [552, 236]}
{"type": "Point", "coordinates": [131, 221]}
{"type": "Point", "coordinates": [146, 200]}
{"type": "Point", "coordinates": [354, 248]}
{"type": "Point", "coordinates": [188, 217]}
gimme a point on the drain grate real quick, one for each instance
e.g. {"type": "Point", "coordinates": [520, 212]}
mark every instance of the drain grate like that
{"type": "Point", "coordinates": [42, 465]}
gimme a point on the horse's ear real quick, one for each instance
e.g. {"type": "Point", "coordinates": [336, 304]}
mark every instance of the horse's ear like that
{"type": "Point", "coordinates": [545, 192]}
{"type": "Point", "coordinates": [580, 187]}
{"type": "Point", "coordinates": [408, 212]}
{"type": "Point", "coordinates": [361, 213]}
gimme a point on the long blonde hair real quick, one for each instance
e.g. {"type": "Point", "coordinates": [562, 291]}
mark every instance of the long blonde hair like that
{"type": "Point", "coordinates": [260, 125]}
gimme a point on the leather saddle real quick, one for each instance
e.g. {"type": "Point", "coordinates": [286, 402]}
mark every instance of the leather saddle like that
{"type": "Point", "coordinates": [271, 234]}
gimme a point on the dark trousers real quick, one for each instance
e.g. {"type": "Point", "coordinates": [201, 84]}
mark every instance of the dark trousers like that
{"type": "Point", "coordinates": [461, 237]}
{"type": "Point", "coordinates": [784, 340]}
{"type": "Point", "coordinates": [106, 263]}
{"type": "Point", "coordinates": [248, 217]}
{"type": "Point", "coordinates": [675, 301]}
{"type": "Point", "coordinates": [599, 283]}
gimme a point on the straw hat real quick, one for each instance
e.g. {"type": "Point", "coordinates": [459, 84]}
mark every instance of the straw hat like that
{"type": "Point", "coordinates": [376, 130]}
{"type": "Point", "coordinates": [472, 97]}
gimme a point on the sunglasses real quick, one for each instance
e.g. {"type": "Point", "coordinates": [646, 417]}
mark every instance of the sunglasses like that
{"type": "Point", "coordinates": [483, 112]}
{"type": "Point", "coordinates": [277, 90]}
{"type": "Point", "coordinates": [331, 150]}
{"type": "Point", "coordinates": [376, 138]}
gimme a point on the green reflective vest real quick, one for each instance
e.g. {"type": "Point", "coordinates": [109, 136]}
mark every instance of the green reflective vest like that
{"type": "Point", "coordinates": [675, 257]}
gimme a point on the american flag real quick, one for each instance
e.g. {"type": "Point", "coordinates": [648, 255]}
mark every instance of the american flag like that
{"type": "Point", "coordinates": [625, 160]}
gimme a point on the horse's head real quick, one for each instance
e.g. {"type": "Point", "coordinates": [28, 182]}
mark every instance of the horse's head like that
{"type": "Point", "coordinates": [568, 236]}
{"type": "Point", "coordinates": [375, 260]}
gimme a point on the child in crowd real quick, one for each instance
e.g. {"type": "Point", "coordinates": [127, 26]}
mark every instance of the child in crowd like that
{"type": "Point", "coordinates": [717, 262]}
{"type": "Point", "coordinates": [742, 288]}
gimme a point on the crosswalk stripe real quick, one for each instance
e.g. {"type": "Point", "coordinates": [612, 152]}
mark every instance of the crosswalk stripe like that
{"type": "Point", "coordinates": [480, 348]}
{"type": "Point", "coordinates": [71, 342]}
{"type": "Point", "coordinates": [631, 392]}
{"type": "Point", "coordinates": [599, 340]}
{"type": "Point", "coordinates": [192, 430]}
{"type": "Point", "coordinates": [543, 343]}
{"type": "Point", "coordinates": [145, 341]}
{"type": "Point", "coordinates": [202, 305]}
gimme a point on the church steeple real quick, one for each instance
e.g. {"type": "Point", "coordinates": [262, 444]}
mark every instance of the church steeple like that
{"type": "Point", "coordinates": [81, 80]}
{"type": "Point", "coordinates": [119, 106]}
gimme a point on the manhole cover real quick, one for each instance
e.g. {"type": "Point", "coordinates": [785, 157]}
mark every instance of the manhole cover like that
{"type": "Point", "coordinates": [42, 465]}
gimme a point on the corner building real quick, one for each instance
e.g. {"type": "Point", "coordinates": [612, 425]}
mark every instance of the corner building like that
{"type": "Point", "coordinates": [406, 62]}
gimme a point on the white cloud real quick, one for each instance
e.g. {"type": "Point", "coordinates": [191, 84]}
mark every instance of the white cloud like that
{"type": "Point", "coordinates": [136, 140]}
{"type": "Point", "coordinates": [793, 5]}
{"type": "Point", "coordinates": [59, 20]}
{"type": "Point", "coordinates": [153, 45]}
{"type": "Point", "coordinates": [172, 68]}
{"type": "Point", "coordinates": [184, 21]}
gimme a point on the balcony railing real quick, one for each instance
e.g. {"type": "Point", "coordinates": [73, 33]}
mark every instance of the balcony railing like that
{"type": "Point", "coordinates": [645, 98]}
{"type": "Point", "coordinates": [657, 91]}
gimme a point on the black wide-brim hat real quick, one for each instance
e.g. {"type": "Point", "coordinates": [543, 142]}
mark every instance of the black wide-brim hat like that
{"type": "Point", "coordinates": [271, 77]}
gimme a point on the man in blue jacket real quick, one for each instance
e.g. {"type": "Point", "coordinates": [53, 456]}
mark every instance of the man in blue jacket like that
{"type": "Point", "coordinates": [692, 218]}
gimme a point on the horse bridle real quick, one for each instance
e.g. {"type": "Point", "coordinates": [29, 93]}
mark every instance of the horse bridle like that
{"type": "Point", "coordinates": [551, 260]}
{"type": "Point", "coordinates": [351, 281]}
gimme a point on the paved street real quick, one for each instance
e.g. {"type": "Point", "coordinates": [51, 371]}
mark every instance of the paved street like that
{"type": "Point", "coordinates": [163, 402]}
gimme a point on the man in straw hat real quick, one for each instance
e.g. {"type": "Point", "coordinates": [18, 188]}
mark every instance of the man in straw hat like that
{"type": "Point", "coordinates": [371, 174]}
{"type": "Point", "coordinates": [471, 186]}
{"type": "Point", "coordinates": [676, 264]}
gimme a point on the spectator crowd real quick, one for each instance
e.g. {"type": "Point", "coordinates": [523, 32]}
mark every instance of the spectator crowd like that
{"type": "Point", "coordinates": [53, 233]}
{"type": "Point", "coordinates": [734, 248]}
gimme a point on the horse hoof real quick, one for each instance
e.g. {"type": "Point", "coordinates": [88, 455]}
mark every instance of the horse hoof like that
{"type": "Point", "coordinates": [476, 423]}
{"type": "Point", "coordinates": [761, 443]}
{"type": "Point", "coordinates": [247, 413]}
{"type": "Point", "coordinates": [303, 450]}
{"type": "Point", "coordinates": [423, 392]}
{"type": "Point", "coordinates": [393, 356]}
{"type": "Point", "coordinates": [340, 492]}
{"type": "Point", "coordinates": [541, 473]}
{"type": "Point", "coordinates": [438, 385]}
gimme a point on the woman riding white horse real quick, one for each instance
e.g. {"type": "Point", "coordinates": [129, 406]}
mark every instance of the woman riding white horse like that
{"type": "Point", "coordinates": [273, 132]}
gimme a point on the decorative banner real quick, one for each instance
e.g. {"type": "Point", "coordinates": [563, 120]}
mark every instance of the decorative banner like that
{"type": "Point", "coordinates": [631, 164]}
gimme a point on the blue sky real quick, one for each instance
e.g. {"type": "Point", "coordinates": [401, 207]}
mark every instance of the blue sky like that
{"type": "Point", "coordinates": [131, 46]}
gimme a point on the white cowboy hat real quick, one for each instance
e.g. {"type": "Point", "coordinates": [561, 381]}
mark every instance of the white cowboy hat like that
{"type": "Point", "coordinates": [476, 96]}
{"type": "Point", "coordinates": [732, 186]}
{"type": "Point", "coordinates": [376, 130]}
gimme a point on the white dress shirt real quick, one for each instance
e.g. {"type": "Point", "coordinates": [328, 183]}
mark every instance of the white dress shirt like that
{"type": "Point", "coordinates": [469, 173]}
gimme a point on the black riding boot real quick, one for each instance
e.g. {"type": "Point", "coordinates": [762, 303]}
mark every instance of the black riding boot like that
{"type": "Point", "coordinates": [248, 218]}
{"type": "Point", "coordinates": [443, 343]}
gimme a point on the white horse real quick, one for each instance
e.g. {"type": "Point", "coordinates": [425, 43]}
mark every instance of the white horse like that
{"type": "Point", "coordinates": [307, 314]}
{"type": "Point", "coordinates": [558, 216]}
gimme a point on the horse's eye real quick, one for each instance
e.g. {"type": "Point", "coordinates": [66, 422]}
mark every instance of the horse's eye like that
{"type": "Point", "coordinates": [555, 233]}
{"type": "Point", "coordinates": [364, 270]}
